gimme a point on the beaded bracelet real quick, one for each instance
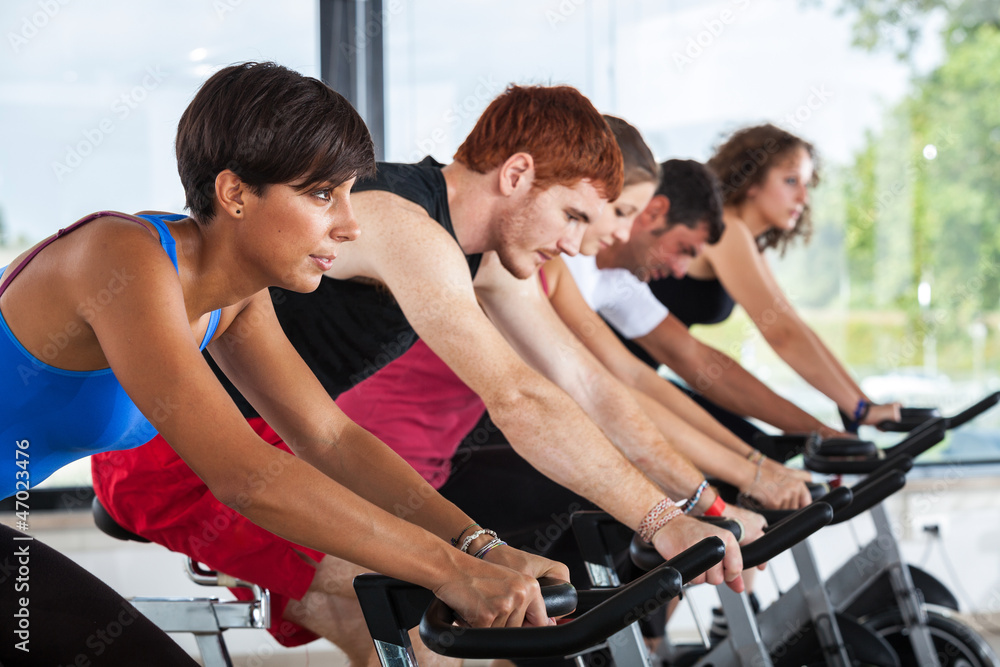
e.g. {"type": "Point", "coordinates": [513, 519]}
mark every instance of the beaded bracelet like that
{"type": "Point", "coordinates": [654, 514]}
{"type": "Point", "coordinates": [455, 540]}
{"type": "Point", "coordinates": [664, 507]}
{"type": "Point", "coordinates": [660, 523]}
{"type": "Point", "coordinates": [693, 500]}
{"type": "Point", "coordinates": [471, 538]}
{"type": "Point", "coordinates": [494, 543]}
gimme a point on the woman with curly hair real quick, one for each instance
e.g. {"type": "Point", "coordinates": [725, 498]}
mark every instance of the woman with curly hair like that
{"type": "Point", "coordinates": [766, 175]}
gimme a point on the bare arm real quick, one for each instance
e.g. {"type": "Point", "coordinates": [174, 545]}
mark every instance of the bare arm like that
{"type": "Point", "coordinates": [745, 274]}
{"type": "Point", "coordinates": [148, 342]}
{"type": "Point", "coordinates": [711, 447]}
{"type": "Point", "coordinates": [720, 378]}
{"type": "Point", "coordinates": [523, 315]}
{"type": "Point", "coordinates": [427, 274]}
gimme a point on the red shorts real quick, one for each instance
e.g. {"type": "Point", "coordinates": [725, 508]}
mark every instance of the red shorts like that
{"type": "Point", "coordinates": [152, 492]}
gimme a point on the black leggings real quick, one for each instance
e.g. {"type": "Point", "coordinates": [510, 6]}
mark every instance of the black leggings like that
{"type": "Point", "coordinates": [69, 616]}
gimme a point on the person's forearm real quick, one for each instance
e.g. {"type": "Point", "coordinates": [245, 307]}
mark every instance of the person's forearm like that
{"type": "Point", "coordinates": [802, 349]}
{"type": "Point", "coordinates": [353, 456]}
{"type": "Point", "coordinates": [682, 406]}
{"type": "Point", "coordinates": [296, 501]}
{"type": "Point", "coordinates": [710, 457]}
{"type": "Point", "coordinates": [552, 433]}
{"type": "Point", "coordinates": [833, 362]}
{"type": "Point", "coordinates": [722, 380]}
{"type": "Point", "coordinates": [613, 408]}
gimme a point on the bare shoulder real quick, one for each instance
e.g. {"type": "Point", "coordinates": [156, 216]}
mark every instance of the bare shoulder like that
{"type": "Point", "coordinates": [393, 230]}
{"type": "Point", "coordinates": [737, 245]}
{"type": "Point", "coordinates": [382, 201]}
{"type": "Point", "coordinates": [737, 235]}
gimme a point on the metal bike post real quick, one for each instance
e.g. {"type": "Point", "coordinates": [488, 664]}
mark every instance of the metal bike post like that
{"type": "Point", "coordinates": [911, 608]}
{"type": "Point", "coordinates": [820, 608]}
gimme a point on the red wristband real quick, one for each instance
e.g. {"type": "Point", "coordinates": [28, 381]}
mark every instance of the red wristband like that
{"type": "Point", "coordinates": [717, 508]}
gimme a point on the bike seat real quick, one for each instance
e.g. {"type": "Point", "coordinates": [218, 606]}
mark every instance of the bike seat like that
{"type": "Point", "coordinates": [109, 526]}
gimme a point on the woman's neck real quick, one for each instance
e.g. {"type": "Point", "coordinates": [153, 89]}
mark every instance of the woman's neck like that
{"type": "Point", "coordinates": [749, 215]}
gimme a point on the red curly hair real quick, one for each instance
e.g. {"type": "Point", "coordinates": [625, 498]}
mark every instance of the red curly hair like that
{"type": "Point", "coordinates": [561, 130]}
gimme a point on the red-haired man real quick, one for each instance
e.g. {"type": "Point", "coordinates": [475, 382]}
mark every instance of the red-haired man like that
{"type": "Point", "coordinates": [439, 245]}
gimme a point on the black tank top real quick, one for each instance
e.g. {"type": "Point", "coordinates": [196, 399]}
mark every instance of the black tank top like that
{"type": "Point", "coordinates": [347, 330]}
{"type": "Point", "coordinates": [694, 301]}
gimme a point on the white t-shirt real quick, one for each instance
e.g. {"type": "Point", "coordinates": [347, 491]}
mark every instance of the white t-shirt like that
{"type": "Point", "coordinates": [623, 300]}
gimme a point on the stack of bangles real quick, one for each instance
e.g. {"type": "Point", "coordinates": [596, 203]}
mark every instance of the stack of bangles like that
{"type": "Point", "coordinates": [492, 544]}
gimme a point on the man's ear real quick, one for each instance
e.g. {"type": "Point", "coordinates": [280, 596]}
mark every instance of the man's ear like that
{"type": "Point", "coordinates": [230, 193]}
{"type": "Point", "coordinates": [655, 213]}
{"type": "Point", "coordinates": [517, 174]}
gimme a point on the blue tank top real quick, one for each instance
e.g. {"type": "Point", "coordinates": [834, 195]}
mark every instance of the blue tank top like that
{"type": "Point", "coordinates": [66, 415]}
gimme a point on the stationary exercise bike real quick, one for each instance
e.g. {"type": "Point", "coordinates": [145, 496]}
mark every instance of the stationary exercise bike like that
{"type": "Point", "coordinates": [392, 607]}
{"type": "Point", "coordinates": [870, 612]}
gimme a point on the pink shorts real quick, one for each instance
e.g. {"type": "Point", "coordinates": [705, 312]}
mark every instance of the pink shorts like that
{"type": "Point", "coordinates": [152, 492]}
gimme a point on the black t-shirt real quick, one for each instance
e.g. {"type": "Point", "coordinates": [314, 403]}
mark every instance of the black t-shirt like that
{"type": "Point", "coordinates": [346, 330]}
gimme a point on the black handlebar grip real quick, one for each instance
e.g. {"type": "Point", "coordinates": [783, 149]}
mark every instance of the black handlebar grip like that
{"type": "Point", "coordinates": [919, 440]}
{"type": "Point", "coordinates": [629, 604]}
{"type": "Point", "coordinates": [787, 533]}
{"type": "Point", "coordinates": [734, 526]}
{"type": "Point", "coordinates": [838, 498]}
{"type": "Point", "coordinates": [875, 490]}
{"type": "Point", "coordinates": [972, 412]}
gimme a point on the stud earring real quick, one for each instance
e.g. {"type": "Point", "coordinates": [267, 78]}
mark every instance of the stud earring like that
{"type": "Point", "coordinates": [237, 211]}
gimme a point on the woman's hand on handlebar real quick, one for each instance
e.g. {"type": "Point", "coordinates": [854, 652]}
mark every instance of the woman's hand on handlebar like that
{"type": "Point", "coordinates": [485, 595]}
{"type": "Point", "coordinates": [795, 473]}
{"type": "Point", "coordinates": [781, 488]}
{"type": "Point", "coordinates": [882, 412]}
{"type": "Point", "coordinates": [534, 566]}
{"type": "Point", "coordinates": [684, 532]}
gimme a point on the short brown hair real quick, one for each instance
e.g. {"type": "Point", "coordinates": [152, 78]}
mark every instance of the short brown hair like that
{"type": "Point", "coordinates": [269, 125]}
{"type": "Point", "coordinates": [743, 161]}
{"type": "Point", "coordinates": [561, 130]}
{"type": "Point", "coordinates": [640, 165]}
